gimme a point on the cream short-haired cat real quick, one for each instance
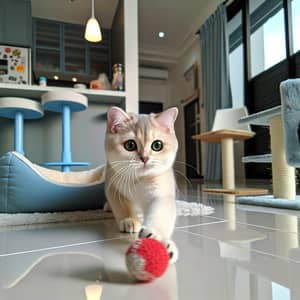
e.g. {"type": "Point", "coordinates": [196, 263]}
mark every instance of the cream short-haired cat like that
{"type": "Point", "coordinates": [141, 150]}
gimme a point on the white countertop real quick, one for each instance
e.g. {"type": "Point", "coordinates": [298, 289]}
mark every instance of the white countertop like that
{"type": "Point", "coordinates": [34, 92]}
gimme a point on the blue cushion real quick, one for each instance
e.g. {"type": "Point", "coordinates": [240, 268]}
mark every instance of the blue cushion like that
{"type": "Point", "coordinates": [22, 190]}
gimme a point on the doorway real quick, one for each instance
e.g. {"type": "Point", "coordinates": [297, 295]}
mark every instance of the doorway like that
{"type": "Point", "coordinates": [192, 147]}
{"type": "Point", "coordinates": [150, 107]}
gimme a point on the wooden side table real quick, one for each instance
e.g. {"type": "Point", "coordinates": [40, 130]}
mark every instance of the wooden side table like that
{"type": "Point", "coordinates": [226, 137]}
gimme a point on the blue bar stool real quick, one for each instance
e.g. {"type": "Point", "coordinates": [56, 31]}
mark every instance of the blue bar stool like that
{"type": "Point", "coordinates": [65, 102]}
{"type": "Point", "coordinates": [19, 109]}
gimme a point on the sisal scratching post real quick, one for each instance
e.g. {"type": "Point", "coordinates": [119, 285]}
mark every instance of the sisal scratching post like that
{"type": "Point", "coordinates": [227, 163]}
{"type": "Point", "coordinates": [284, 185]}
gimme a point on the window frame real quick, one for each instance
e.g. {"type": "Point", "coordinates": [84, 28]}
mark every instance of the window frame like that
{"type": "Point", "coordinates": [243, 5]}
{"type": "Point", "coordinates": [262, 91]}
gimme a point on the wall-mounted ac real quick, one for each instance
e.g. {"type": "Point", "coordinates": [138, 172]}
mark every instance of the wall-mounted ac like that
{"type": "Point", "coordinates": [153, 73]}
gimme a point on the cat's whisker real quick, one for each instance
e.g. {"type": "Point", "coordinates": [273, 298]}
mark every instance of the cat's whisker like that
{"type": "Point", "coordinates": [184, 177]}
{"type": "Point", "coordinates": [131, 186]}
{"type": "Point", "coordinates": [127, 182]}
{"type": "Point", "coordinates": [135, 175]}
{"type": "Point", "coordinates": [123, 162]}
{"type": "Point", "coordinates": [123, 177]}
{"type": "Point", "coordinates": [116, 176]}
{"type": "Point", "coordinates": [179, 194]}
{"type": "Point", "coordinates": [158, 164]}
{"type": "Point", "coordinates": [188, 165]}
{"type": "Point", "coordinates": [120, 179]}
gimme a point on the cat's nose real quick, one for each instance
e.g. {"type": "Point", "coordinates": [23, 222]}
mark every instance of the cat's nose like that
{"type": "Point", "coordinates": [144, 159]}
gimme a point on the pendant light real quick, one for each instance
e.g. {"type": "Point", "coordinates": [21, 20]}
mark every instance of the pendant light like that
{"type": "Point", "coordinates": [92, 29]}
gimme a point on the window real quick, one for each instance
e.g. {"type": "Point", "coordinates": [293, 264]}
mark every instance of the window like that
{"type": "Point", "coordinates": [259, 61]}
{"type": "Point", "coordinates": [267, 38]}
{"type": "Point", "coordinates": [295, 4]}
{"type": "Point", "coordinates": [280, 292]}
{"type": "Point", "coordinates": [236, 60]}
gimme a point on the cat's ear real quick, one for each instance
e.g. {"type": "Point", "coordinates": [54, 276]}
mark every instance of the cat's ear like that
{"type": "Point", "coordinates": [167, 118]}
{"type": "Point", "coordinates": [116, 117]}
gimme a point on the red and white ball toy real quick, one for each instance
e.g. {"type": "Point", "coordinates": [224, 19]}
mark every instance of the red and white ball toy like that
{"type": "Point", "coordinates": [147, 259]}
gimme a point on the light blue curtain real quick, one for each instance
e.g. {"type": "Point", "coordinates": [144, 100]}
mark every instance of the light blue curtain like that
{"type": "Point", "coordinates": [215, 81]}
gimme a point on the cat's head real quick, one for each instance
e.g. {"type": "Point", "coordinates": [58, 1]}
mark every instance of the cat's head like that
{"type": "Point", "coordinates": [144, 145]}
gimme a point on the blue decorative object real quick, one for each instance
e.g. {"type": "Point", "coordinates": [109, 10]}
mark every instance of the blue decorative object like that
{"type": "Point", "coordinates": [40, 193]}
{"type": "Point", "coordinates": [270, 201]}
{"type": "Point", "coordinates": [65, 102]}
{"type": "Point", "coordinates": [290, 99]}
{"type": "Point", "coordinates": [19, 109]}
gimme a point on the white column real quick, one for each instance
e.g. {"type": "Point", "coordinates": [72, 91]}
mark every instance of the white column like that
{"type": "Point", "coordinates": [283, 176]}
{"type": "Point", "coordinates": [228, 163]}
{"type": "Point", "coordinates": [131, 55]}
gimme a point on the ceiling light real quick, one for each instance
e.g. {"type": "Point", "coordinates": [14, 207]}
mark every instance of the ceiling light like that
{"type": "Point", "coordinates": [92, 29]}
{"type": "Point", "coordinates": [74, 79]}
{"type": "Point", "coordinates": [55, 77]}
{"type": "Point", "coordinates": [161, 34]}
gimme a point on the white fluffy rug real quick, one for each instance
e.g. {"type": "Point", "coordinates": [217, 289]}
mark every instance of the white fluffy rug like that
{"type": "Point", "coordinates": [184, 208]}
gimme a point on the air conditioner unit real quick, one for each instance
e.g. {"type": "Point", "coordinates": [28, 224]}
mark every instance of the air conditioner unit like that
{"type": "Point", "coordinates": [153, 73]}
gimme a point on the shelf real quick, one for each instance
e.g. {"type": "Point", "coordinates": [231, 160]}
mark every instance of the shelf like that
{"type": "Point", "coordinates": [48, 48]}
{"type": "Point", "coordinates": [35, 92]}
{"type": "Point", "coordinates": [263, 117]}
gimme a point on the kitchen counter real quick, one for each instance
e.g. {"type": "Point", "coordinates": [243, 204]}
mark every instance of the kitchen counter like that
{"type": "Point", "coordinates": [34, 92]}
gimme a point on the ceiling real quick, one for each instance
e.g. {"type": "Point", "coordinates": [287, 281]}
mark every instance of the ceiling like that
{"type": "Point", "coordinates": [177, 18]}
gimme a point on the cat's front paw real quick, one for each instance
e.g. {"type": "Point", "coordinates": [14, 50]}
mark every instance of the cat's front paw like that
{"type": "Point", "coordinates": [129, 225]}
{"type": "Point", "coordinates": [146, 232]}
{"type": "Point", "coordinates": [172, 250]}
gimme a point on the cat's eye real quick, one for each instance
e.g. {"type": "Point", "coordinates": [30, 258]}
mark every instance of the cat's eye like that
{"type": "Point", "coordinates": [130, 145]}
{"type": "Point", "coordinates": [157, 145]}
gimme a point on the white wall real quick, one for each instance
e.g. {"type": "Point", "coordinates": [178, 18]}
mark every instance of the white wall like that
{"type": "Point", "coordinates": [153, 90]}
{"type": "Point", "coordinates": [177, 93]}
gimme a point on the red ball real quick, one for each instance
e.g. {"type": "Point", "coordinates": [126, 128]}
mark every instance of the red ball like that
{"type": "Point", "coordinates": [147, 259]}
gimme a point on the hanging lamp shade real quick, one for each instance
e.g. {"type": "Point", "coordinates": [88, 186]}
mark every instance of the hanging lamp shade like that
{"type": "Point", "coordinates": [92, 29]}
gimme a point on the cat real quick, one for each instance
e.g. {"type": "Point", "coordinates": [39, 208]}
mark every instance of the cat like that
{"type": "Point", "coordinates": [141, 151]}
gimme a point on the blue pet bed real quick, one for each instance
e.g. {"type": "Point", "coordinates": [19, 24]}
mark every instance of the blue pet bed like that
{"type": "Point", "coordinates": [26, 187]}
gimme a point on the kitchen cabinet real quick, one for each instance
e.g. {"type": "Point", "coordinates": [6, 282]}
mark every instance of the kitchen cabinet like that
{"type": "Point", "coordinates": [16, 22]}
{"type": "Point", "coordinates": [60, 49]}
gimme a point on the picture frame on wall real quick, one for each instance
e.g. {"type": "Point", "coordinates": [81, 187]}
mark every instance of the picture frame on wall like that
{"type": "Point", "coordinates": [191, 87]}
{"type": "Point", "coordinates": [15, 64]}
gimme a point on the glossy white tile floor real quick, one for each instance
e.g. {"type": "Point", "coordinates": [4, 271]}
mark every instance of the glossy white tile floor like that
{"type": "Point", "coordinates": [239, 252]}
